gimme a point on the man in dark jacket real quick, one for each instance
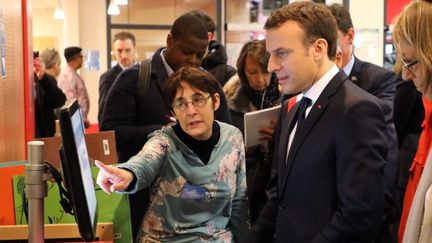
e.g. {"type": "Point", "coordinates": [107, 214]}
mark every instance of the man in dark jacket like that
{"type": "Point", "coordinates": [133, 116]}
{"type": "Point", "coordinates": [125, 53]}
{"type": "Point", "coordinates": [381, 83]}
{"type": "Point", "coordinates": [215, 60]}
{"type": "Point", "coordinates": [330, 148]}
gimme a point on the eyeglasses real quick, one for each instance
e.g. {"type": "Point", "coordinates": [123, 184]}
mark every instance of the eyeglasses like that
{"type": "Point", "coordinates": [410, 65]}
{"type": "Point", "coordinates": [198, 101]}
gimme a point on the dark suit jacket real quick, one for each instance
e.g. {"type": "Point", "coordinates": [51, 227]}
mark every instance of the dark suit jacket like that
{"type": "Point", "coordinates": [381, 83]}
{"type": "Point", "coordinates": [105, 83]}
{"type": "Point", "coordinates": [375, 80]}
{"type": "Point", "coordinates": [331, 187]}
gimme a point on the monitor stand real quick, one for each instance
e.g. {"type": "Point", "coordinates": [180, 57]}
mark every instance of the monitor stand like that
{"type": "Point", "coordinates": [36, 176]}
{"type": "Point", "coordinates": [36, 190]}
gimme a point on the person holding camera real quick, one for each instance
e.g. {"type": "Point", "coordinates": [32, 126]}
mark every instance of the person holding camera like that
{"type": "Point", "coordinates": [47, 97]}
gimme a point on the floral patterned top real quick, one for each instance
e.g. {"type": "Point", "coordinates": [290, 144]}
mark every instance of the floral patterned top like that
{"type": "Point", "coordinates": [191, 201]}
{"type": "Point", "coordinates": [73, 86]}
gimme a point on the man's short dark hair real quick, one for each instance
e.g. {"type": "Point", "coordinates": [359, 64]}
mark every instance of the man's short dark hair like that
{"type": "Point", "coordinates": [210, 24]}
{"type": "Point", "coordinates": [189, 25]}
{"type": "Point", "coordinates": [72, 52]}
{"type": "Point", "coordinates": [342, 16]}
{"type": "Point", "coordinates": [124, 35]}
{"type": "Point", "coordinates": [315, 19]}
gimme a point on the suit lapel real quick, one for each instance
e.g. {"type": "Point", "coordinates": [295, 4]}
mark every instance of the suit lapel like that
{"type": "Point", "coordinates": [158, 71]}
{"type": "Point", "coordinates": [301, 134]}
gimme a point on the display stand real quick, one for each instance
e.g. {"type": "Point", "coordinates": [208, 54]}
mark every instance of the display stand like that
{"type": "Point", "coordinates": [36, 190]}
{"type": "Point", "coordinates": [104, 232]}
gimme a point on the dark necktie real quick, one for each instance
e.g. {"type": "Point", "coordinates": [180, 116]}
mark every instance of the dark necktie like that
{"type": "Point", "coordinates": [301, 113]}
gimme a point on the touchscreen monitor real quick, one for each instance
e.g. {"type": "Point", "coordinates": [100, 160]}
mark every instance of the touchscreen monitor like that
{"type": "Point", "coordinates": [76, 169]}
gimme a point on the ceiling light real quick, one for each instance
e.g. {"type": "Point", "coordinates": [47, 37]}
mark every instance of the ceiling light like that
{"type": "Point", "coordinates": [58, 12]}
{"type": "Point", "coordinates": [113, 9]}
{"type": "Point", "coordinates": [121, 2]}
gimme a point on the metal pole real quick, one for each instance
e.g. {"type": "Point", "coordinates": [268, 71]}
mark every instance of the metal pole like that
{"type": "Point", "coordinates": [35, 190]}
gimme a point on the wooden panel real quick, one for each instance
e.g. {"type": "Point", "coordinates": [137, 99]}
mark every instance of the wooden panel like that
{"type": "Point", "coordinates": [104, 232]}
{"type": "Point", "coordinates": [42, 43]}
{"type": "Point", "coordinates": [12, 121]}
{"type": "Point", "coordinates": [100, 146]}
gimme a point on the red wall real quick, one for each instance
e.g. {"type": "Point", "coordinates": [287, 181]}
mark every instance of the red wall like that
{"type": "Point", "coordinates": [394, 7]}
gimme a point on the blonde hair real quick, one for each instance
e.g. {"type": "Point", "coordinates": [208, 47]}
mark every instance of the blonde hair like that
{"type": "Point", "coordinates": [414, 26]}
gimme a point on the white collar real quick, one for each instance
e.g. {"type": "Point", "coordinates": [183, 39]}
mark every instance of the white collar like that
{"type": "Point", "coordinates": [315, 91]}
{"type": "Point", "coordinates": [168, 69]}
{"type": "Point", "coordinates": [348, 68]}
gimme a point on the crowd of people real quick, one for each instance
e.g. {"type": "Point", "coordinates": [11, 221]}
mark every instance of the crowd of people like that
{"type": "Point", "coordinates": [343, 162]}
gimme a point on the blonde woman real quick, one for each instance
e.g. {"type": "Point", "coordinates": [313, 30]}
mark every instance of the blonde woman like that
{"type": "Point", "coordinates": [412, 33]}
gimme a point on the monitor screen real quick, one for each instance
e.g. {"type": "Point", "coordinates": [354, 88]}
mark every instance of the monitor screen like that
{"type": "Point", "coordinates": [77, 170]}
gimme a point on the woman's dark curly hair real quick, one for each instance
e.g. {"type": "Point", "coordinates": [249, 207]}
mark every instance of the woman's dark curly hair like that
{"type": "Point", "coordinates": [198, 78]}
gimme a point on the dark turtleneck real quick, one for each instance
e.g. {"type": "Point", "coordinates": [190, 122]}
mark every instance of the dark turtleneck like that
{"type": "Point", "coordinates": [202, 149]}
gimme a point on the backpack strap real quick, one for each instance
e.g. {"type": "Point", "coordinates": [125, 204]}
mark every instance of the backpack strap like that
{"type": "Point", "coordinates": [144, 75]}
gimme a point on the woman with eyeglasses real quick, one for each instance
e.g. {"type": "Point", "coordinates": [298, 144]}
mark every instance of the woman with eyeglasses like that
{"type": "Point", "coordinates": [412, 33]}
{"type": "Point", "coordinates": [196, 168]}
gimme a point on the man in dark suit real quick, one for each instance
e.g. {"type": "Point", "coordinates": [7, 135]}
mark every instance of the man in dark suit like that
{"type": "Point", "coordinates": [381, 83]}
{"type": "Point", "coordinates": [372, 78]}
{"type": "Point", "coordinates": [124, 51]}
{"type": "Point", "coordinates": [328, 183]}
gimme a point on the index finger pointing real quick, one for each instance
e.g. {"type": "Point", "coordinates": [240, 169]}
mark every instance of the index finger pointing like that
{"type": "Point", "coordinates": [106, 168]}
